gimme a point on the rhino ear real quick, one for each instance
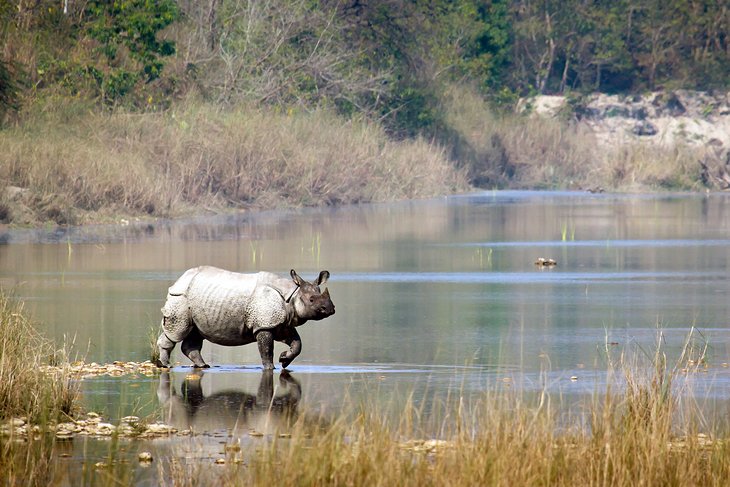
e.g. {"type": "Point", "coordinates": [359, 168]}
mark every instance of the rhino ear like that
{"type": "Point", "coordinates": [295, 277]}
{"type": "Point", "coordinates": [323, 276]}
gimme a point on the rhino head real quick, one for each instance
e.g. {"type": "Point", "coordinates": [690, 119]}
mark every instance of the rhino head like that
{"type": "Point", "coordinates": [310, 302]}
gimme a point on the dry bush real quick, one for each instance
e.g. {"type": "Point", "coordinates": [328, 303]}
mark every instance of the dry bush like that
{"type": "Point", "coordinates": [637, 166]}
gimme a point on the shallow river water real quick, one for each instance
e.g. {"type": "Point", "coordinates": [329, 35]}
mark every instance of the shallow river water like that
{"type": "Point", "coordinates": [434, 298]}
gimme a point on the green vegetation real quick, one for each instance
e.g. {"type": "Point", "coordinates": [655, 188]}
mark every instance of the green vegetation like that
{"type": "Point", "coordinates": [383, 59]}
{"type": "Point", "coordinates": [397, 71]}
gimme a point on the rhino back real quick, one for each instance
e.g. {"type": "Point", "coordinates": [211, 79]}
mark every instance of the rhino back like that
{"type": "Point", "coordinates": [217, 300]}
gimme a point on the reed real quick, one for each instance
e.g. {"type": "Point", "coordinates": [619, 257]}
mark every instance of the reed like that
{"type": "Point", "coordinates": [26, 391]}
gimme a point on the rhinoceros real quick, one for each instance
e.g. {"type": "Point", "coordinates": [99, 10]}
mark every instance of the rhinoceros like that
{"type": "Point", "coordinates": [230, 308]}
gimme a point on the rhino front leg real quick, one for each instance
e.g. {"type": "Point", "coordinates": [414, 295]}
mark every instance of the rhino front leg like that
{"type": "Point", "coordinates": [265, 341]}
{"type": "Point", "coordinates": [165, 346]}
{"type": "Point", "coordinates": [295, 348]}
{"type": "Point", "coordinates": [191, 347]}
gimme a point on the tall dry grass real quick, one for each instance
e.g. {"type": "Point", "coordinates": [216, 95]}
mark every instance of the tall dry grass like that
{"type": "Point", "coordinates": [630, 434]}
{"type": "Point", "coordinates": [26, 391]}
{"type": "Point", "coordinates": [517, 150]}
{"type": "Point", "coordinates": [198, 156]}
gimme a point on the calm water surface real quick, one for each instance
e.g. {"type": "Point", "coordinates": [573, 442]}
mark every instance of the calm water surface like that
{"type": "Point", "coordinates": [435, 296]}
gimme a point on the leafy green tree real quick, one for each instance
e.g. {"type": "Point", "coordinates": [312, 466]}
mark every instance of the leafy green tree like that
{"type": "Point", "coordinates": [132, 26]}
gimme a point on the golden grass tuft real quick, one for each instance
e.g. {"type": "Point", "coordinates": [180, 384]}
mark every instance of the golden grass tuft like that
{"type": "Point", "coordinates": [25, 389]}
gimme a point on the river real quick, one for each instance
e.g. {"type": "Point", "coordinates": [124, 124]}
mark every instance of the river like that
{"type": "Point", "coordinates": [434, 298]}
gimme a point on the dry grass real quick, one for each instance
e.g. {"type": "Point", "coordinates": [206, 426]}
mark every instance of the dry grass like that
{"type": "Point", "coordinates": [199, 157]}
{"type": "Point", "coordinates": [635, 436]}
{"type": "Point", "coordinates": [26, 391]}
{"type": "Point", "coordinates": [78, 164]}
{"type": "Point", "coordinates": [511, 150]}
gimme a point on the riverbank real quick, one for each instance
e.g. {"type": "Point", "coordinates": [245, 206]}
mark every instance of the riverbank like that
{"type": "Point", "coordinates": [74, 166]}
{"type": "Point", "coordinates": [70, 164]}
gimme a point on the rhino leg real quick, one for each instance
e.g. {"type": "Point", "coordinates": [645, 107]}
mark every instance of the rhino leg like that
{"type": "Point", "coordinates": [265, 341]}
{"type": "Point", "coordinates": [191, 346]}
{"type": "Point", "coordinates": [165, 346]}
{"type": "Point", "coordinates": [295, 348]}
{"type": "Point", "coordinates": [266, 389]}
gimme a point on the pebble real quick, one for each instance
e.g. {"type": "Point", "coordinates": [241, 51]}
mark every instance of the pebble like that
{"type": "Point", "coordinates": [426, 446]}
{"type": "Point", "coordinates": [92, 425]}
{"type": "Point", "coordinates": [83, 370]}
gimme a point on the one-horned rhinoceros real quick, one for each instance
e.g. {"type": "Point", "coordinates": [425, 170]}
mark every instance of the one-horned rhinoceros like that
{"type": "Point", "coordinates": [229, 308]}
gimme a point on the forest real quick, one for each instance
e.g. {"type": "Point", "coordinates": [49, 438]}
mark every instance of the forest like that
{"type": "Point", "coordinates": [382, 59]}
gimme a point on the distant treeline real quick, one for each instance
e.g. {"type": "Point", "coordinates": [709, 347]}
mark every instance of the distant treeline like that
{"type": "Point", "coordinates": [387, 60]}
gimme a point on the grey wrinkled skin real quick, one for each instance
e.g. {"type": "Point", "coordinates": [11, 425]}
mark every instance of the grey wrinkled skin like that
{"type": "Point", "coordinates": [230, 308]}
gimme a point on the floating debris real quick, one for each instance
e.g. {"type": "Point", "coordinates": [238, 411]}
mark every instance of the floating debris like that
{"type": "Point", "coordinates": [701, 441]}
{"type": "Point", "coordinates": [543, 262]}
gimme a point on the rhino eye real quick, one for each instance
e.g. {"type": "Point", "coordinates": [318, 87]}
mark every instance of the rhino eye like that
{"type": "Point", "coordinates": [311, 299]}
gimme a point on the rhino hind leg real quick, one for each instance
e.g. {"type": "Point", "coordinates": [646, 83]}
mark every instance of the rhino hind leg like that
{"type": "Point", "coordinates": [191, 346]}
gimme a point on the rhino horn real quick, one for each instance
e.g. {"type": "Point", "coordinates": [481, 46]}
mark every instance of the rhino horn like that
{"type": "Point", "coordinates": [326, 292]}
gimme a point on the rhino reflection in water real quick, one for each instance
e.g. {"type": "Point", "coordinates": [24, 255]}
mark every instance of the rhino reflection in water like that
{"type": "Point", "coordinates": [230, 409]}
{"type": "Point", "coordinates": [229, 308]}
